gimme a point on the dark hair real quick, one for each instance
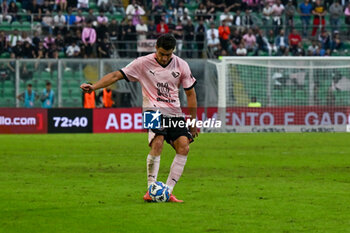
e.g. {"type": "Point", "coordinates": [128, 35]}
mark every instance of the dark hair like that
{"type": "Point", "coordinates": [29, 85]}
{"type": "Point", "coordinates": [166, 42]}
{"type": "Point", "coordinates": [48, 84]}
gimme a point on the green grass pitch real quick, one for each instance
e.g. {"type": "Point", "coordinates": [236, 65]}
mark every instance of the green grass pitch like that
{"type": "Point", "coordinates": [231, 183]}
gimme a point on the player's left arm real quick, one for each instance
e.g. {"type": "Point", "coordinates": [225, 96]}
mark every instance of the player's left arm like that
{"type": "Point", "coordinates": [192, 106]}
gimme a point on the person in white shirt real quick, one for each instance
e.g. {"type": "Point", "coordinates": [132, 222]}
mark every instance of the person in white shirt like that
{"type": "Point", "coordinates": [227, 16]}
{"type": "Point", "coordinates": [131, 8]}
{"type": "Point", "coordinates": [267, 12]}
{"type": "Point", "coordinates": [59, 20]}
{"type": "Point", "coordinates": [141, 30]}
{"type": "Point", "coordinates": [213, 41]}
{"type": "Point", "coordinates": [241, 50]}
{"type": "Point", "coordinates": [73, 50]}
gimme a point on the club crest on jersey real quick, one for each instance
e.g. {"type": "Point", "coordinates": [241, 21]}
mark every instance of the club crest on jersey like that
{"type": "Point", "coordinates": [175, 74]}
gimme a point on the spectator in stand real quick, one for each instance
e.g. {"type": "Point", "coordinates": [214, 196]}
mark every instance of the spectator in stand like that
{"type": "Point", "coordinates": [200, 37]}
{"type": "Point", "coordinates": [73, 50]}
{"type": "Point", "coordinates": [178, 34]}
{"type": "Point", "coordinates": [152, 29]}
{"type": "Point", "coordinates": [312, 48]}
{"type": "Point", "coordinates": [281, 43]}
{"type": "Point", "coordinates": [227, 16]}
{"type": "Point", "coordinates": [248, 21]}
{"type": "Point", "coordinates": [325, 40]}
{"type": "Point", "coordinates": [171, 25]}
{"type": "Point", "coordinates": [210, 10]}
{"type": "Point", "coordinates": [17, 50]}
{"type": "Point", "coordinates": [201, 12]}
{"type": "Point", "coordinates": [213, 40]}
{"type": "Point", "coordinates": [267, 13]}
{"type": "Point", "coordinates": [79, 19]}
{"type": "Point", "coordinates": [294, 39]}
{"type": "Point", "coordinates": [319, 12]}
{"type": "Point", "coordinates": [25, 37]}
{"type": "Point", "coordinates": [224, 34]}
{"type": "Point", "coordinates": [170, 15]}
{"type": "Point", "coordinates": [241, 50]}
{"type": "Point", "coordinates": [52, 53]}
{"type": "Point", "coordinates": [89, 39]}
{"type": "Point", "coordinates": [70, 17]}
{"type": "Point", "coordinates": [27, 50]}
{"type": "Point", "coordinates": [142, 30]}
{"type": "Point", "coordinates": [59, 41]}
{"type": "Point", "coordinates": [102, 19]}
{"type": "Point", "coordinates": [159, 12]}
{"type": "Point", "coordinates": [4, 13]}
{"type": "Point", "coordinates": [105, 48]}
{"type": "Point", "coordinates": [336, 12]}
{"type": "Point", "coordinates": [262, 43]}
{"type": "Point", "coordinates": [34, 9]}
{"type": "Point", "coordinates": [134, 9]}
{"type": "Point", "coordinates": [181, 9]}
{"type": "Point", "coordinates": [300, 51]}
{"type": "Point", "coordinates": [59, 20]}
{"type": "Point", "coordinates": [114, 31]}
{"type": "Point", "coordinates": [290, 12]}
{"type": "Point", "coordinates": [3, 43]}
{"type": "Point", "coordinates": [47, 22]}
{"type": "Point", "coordinates": [13, 10]}
{"type": "Point", "coordinates": [130, 36]}
{"type": "Point", "coordinates": [36, 39]}
{"type": "Point", "coordinates": [118, 7]}
{"type": "Point", "coordinates": [136, 16]}
{"type": "Point", "coordinates": [47, 7]}
{"type": "Point", "coordinates": [49, 41]}
{"type": "Point", "coordinates": [40, 52]}
{"type": "Point", "coordinates": [189, 38]}
{"type": "Point", "coordinates": [347, 18]}
{"type": "Point", "coordinates": [238, 21]}
{"type": "Point", "coordinates": [277, 21]}
{"type": "Point", "coordinates": [184, 19]}
{"type": "Point", "coordinates": [62, 4]}
{"type": "Point", "coordinates": [336, 44]}
{"type": "Point", "coordinates": [13, 38]}
{"type": "Point", "coordinates": [250, 41]}
{"type": "Point", "coordinates": [162, 28]}
{"type": "Point", "coordinates": [83, 5]}
{"type": "Point", "coordinates": [305, 11]}
{"type": "Point", "coordinates": [91, 17]}
{"type": "Point", "coordinates": [105, 5]}
{"type": "Point", "coordinates": [235, 40]}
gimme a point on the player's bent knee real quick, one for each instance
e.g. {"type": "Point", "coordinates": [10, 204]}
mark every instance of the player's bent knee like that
{"type": "Point", "coordinates": [183, 150]}
{"type": "Point", "coordinates": [157, 145]}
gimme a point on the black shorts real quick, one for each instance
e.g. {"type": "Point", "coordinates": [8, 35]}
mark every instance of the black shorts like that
{"type": "Point", "coordinates": [170, 133]}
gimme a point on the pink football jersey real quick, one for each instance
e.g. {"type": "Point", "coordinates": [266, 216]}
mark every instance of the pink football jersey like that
{"type": "Point", "coordinates": [160, 85]}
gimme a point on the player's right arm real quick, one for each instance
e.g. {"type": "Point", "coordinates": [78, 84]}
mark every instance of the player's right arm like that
{"type": "Point", "coordinates": [107, 80]}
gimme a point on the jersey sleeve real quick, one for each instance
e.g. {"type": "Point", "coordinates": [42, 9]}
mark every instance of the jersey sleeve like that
{"type": "Point", "coordinates": [131, 72]}
{"type": "Point", "coordinates": [187, 79]}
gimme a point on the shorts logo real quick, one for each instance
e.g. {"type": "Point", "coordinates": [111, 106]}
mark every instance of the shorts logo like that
{"type": "Point", "coordinates": [151, 120]}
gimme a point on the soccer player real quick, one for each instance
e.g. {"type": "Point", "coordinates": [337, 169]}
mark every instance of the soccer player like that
{"type": "Point", "coordinates": [160, 75]}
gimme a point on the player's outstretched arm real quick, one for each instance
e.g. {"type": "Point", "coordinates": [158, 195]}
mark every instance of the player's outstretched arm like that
{"type": "Point", "coordinates": [107, 80]}
{"type": "Point", "coordinates": [192, 106]}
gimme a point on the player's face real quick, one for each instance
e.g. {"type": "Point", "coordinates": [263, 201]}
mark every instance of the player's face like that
{"type": "Point", "coordinates": [163, 56]}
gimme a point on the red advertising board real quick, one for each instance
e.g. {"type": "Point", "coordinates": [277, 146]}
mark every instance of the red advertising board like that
{"type": "Point", "coordinates": [21, 120]}
{"type": "Point", "coordinates": [111, 120]}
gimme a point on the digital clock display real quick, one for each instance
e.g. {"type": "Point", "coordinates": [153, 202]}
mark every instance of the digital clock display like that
{"type": "Point", "coordinates": [70, 120]}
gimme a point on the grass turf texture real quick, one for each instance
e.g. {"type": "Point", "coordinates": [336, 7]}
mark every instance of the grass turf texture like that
{"type": "Point", "coordinates": [232, 183]}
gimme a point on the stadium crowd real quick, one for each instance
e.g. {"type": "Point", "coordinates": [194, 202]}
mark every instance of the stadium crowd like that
{"type": "Point", "coordinates": [208, 28]}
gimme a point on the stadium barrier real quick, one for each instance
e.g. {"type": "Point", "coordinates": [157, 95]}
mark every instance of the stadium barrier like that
{"type": "Point", "coordinates": [125, 120]}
